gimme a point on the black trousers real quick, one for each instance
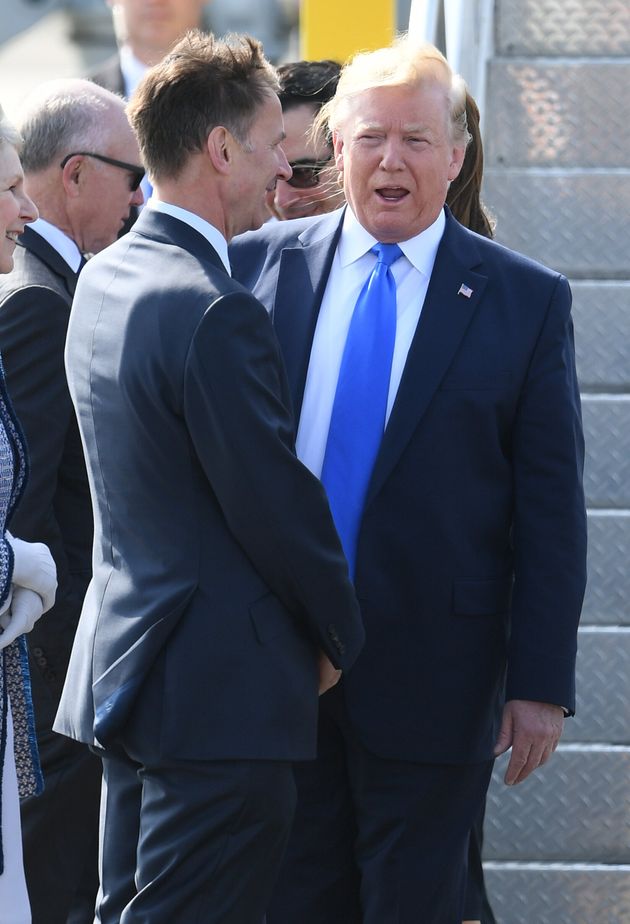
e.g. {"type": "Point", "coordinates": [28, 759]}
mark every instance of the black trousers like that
{"type": "Point", "coordinates": [60, 827]}
{"type": "Point", "coordinates": [376, 841]}
{"type": "Point", "coordinates": [191, 841]}
{"type": "Point", "coordinates": [477, 905]}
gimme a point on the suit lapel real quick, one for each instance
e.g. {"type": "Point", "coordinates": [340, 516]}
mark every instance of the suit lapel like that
{"type": "Point", "coordinates": [303, 273]}
{"type": "Point", "coordinates": [35, 243]}
{"type": "Point", "coordinates": [167, 229]}
{"type": "Point", "coordinates": [445, 317]}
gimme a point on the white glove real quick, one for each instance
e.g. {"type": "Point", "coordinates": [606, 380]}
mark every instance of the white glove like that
{"type": "Point", "coordinates": [26, 608]}
{"type": "Point", "coordinates": [34, 568]}
{"type": "Point", "coordinates": [7, 603]}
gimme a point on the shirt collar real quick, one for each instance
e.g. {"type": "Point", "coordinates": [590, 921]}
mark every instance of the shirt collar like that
{"type": "Point", "coordinates": [420, 250]}
{"type": "Point", "coordinates": [133, 70]}
{"type": "Point", "coordinates": [64, 245]}
{"type": "Point", "coordinates": [211, 234]}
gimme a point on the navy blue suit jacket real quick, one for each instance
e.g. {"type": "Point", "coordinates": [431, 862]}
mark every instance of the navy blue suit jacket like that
{"type": "Point", "coordinates": [217, 570]}
{"type": "Point", "coordinates": [471, 553]}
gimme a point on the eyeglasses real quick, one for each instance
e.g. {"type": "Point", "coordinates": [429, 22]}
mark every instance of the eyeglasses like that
{"type": "Point", "coordinates": [306, 173]}
{"type": "Point", "coordinates": [137, 173]}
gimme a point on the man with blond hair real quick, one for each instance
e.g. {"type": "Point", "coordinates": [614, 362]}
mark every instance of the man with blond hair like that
{"type": "Point", "coordinates": [433, 374]}
{"type": "Point", "coordinates": [82, 170]}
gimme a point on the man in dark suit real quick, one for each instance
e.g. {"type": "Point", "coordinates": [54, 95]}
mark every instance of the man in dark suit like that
{"type": "Point", "coordinates": [82, 206]}
{"type": "Point", "coordinates": [220, 602]}
{"type": "Point", "coordinates": [145, 32]}
{"type": "Point", "coordinates": [462, 514]}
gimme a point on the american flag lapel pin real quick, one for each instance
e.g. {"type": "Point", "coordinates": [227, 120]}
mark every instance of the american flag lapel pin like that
{"type": "Point", "coordinates": [465, 290]}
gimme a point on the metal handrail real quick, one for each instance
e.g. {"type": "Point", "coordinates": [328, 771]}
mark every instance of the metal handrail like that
{"type": "Point", "coordinates": [462, 30]}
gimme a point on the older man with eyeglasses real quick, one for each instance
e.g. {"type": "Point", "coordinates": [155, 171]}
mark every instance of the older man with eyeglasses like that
{"type": "Point", "coordinates": [82, 169]}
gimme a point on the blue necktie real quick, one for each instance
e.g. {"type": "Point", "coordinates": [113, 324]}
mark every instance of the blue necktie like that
{"type": "Point", "coordinates": [358, 416]}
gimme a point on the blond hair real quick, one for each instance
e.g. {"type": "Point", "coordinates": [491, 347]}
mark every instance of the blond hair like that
{"type": "Point", "coordinates": [403, 63]}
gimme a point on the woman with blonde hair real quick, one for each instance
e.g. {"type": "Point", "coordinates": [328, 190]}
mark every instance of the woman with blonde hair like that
{"type": "Point", "coordinates": [27, 581]}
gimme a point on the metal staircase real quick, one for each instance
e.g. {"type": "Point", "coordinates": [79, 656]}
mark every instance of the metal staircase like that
{"type": "Point", "coordinates": [557, 140]}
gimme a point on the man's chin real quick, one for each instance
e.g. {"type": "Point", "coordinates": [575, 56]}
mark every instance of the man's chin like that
{"type": "Point", "coordinates": [258, 219]}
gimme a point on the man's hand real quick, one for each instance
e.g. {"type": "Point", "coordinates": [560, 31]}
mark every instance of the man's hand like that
{"type": "Point", "coordinates": [533, 731]}
{"type": "Point", "coordinates": [328, 675]}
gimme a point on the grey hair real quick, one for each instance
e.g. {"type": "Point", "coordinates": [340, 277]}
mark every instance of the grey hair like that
{"type": "Point", "coordinates": [8, 132]}
{"type": "Point", "coordinates": [65, 116]}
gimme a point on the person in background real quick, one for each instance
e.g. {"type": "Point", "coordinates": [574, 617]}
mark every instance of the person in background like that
{"type": "Point", "coordinates": [220, 603]}
{"type": "Point", "coordinates": [433, 373]}
{"type": "Point", "coordinates": [464, 193]}
{"type": "Point", "coordinates": [82, 170]}
{"type": "Point", "coordinates": [145, 31]}
{"type": "Point", "coordinates": [27, 581]}
{"type": "Point", "coordinates": [313, 187]}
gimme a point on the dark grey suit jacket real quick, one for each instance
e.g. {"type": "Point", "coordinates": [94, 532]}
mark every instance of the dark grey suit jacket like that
{"type": "Point", "coordinates": [35, 300]}
{"type": "Point", "coordinates": [217, 570]}
{"type": "Point", "coordinates": [109, 75]}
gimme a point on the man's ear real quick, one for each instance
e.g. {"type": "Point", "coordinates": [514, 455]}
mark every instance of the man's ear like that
{"type": "Point", "coordinates": [72, 176]}
{"type": "Point", "coordinates": [456, 163]}
{"type": "Point", "coordinates": [338, 149]}
{"type": "Point", "coordinates": [220, 145]}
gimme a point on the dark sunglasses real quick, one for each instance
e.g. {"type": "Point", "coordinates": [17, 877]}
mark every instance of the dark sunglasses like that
{"type": "Point", "coordinates": [306, 174]}
{"type": "Point", "coordinates": [137, 173]}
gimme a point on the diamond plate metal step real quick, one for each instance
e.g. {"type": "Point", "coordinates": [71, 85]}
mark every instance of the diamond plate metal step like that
{"type": "Point", "coordinates": [607, 598]}
{"type": "Point", "coordinates": [548, 112]}
{"type": "Point", "coordinates": [537, 893]}
{"type": "Point", "coordinates": [601, 315]}
{"type": "Point", "coordinates": [607, 465]}
{"type": "Point", "coordinates": [573, 220]}
{"type": "Point", "coordinates": [557, 139]}
{"type": "Point", "coordinates": [603, 688]}
{"type": "Point", "coordinates": [576, 808]}
{"type": "Point", "coordinates": [562, 27]}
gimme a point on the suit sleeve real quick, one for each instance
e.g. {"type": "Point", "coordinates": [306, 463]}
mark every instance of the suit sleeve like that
{"type": "Point", "coordinates": [235, 408]}
{"type": "Point", "coordinates": [549, 531]}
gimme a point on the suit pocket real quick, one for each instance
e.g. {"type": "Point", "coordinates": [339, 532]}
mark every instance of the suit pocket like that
{"type": "Point", "coordinates": [482, 598]}
{"type": "Point", "coordinates": [270, 618]}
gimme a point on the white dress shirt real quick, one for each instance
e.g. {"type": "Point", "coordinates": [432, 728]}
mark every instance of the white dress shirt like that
{"type": "Point", "coordinates": [133, 70]}
{"type": "Point", "coordinates": [204, 227]}
{"type": "Point", "coordinates": [64, 245]}
{"type": "Point", "coordinates": [351, 267]}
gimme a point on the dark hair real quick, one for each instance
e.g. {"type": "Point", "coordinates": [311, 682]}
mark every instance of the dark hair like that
{"type": "Point", "coordinates": [202, 83]}
{"type": "Point", "coordinates": [312, 82]}
{"type": "Point", "coordinates": [463, 197]}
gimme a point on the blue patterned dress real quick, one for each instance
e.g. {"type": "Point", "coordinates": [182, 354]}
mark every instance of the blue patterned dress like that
{"type": "Point", "coordinates": [14, 675]}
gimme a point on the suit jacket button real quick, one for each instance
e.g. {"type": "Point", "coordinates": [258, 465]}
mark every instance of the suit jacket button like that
{"type": "Point", "coordinates": [334, 637]}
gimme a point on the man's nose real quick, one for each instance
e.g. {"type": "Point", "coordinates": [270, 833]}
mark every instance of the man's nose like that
{"type": "Point", "coordinates": [137, 197]}
{"type": "Point", "coordinates": [284, 170]}
{"type": "Point", "coordinates": [392, 155]}
{"type": "Point", "coordinates": [284, 195]}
